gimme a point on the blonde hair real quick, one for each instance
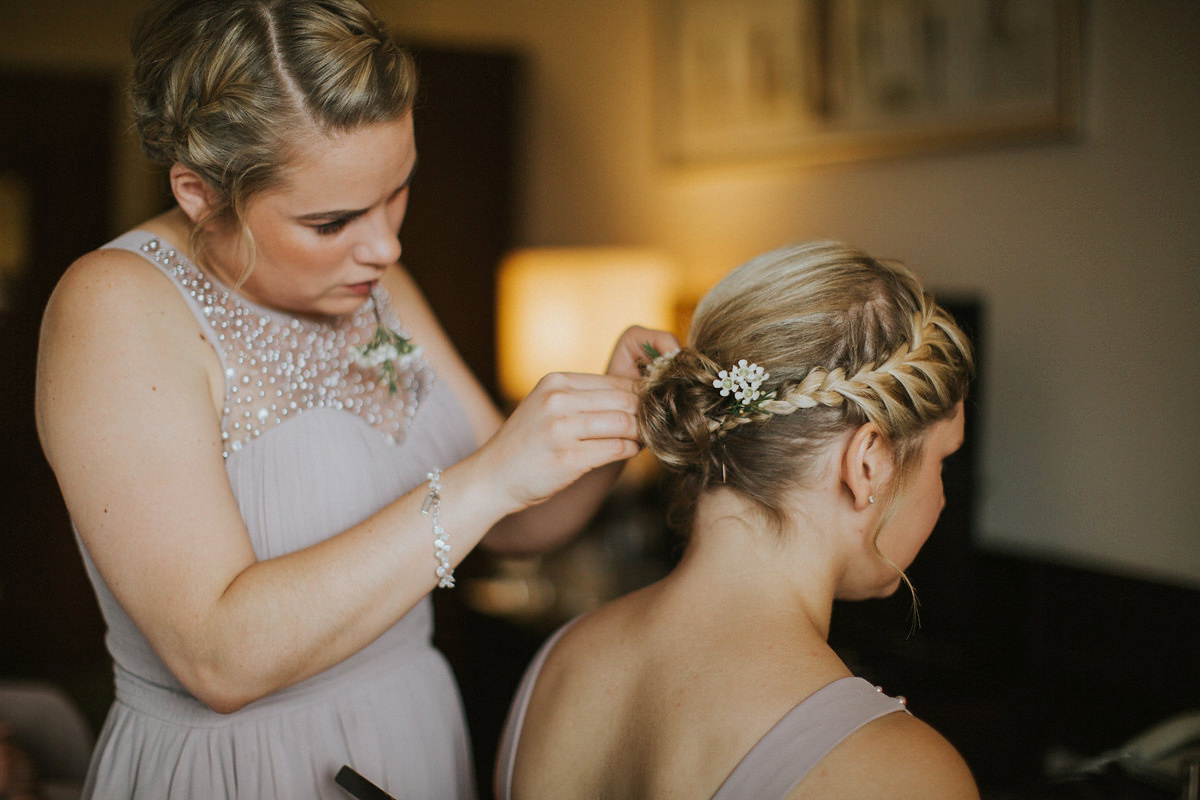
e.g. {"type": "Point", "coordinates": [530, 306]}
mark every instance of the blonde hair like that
{"type": "Point", "coordinates": [229, 88]}
{"type": "Point", "coordinates": [846, 340]}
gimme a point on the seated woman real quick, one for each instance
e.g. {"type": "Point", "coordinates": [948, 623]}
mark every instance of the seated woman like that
{"type": "Point", "coordinates": [805, 423]}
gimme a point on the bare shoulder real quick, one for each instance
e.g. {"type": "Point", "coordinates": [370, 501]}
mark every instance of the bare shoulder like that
{"type": "Point", "coordinates": [586, 676]}
{"type": "Point", "coordinates": [112, 299]}
{"type": "Point", "coordinates": [407, 297]}
{"type": "Point", "coordinates": [100, 269]}
{"type": "Point", "coordinates": [639, 698]}
{"type": "Point", "coordinates": [585, 647]}
{"type": "Point", "coordinates": [606, 633]}
{"type": "Point", "coordinates": [113, 285]}
{"type": "Point", "coordinates": [113, 322]}
{"type": "Point", "coordinates": [416, 314]}
{"type": "Point", "coordinates": [896, 756]}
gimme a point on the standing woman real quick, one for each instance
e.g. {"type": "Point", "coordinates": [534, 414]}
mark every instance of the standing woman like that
{"type": "Point", "coordinates": [806, 423]}
{"type": "Point", "coordinates": [265, 440]}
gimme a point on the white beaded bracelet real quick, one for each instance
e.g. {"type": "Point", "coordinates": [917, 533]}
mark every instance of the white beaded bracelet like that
{"type": "Point", "coordinates": [441, 541]}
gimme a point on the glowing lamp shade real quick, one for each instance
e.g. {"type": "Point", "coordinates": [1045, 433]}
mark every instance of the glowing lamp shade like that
{"type": "Point", "coordinates": [562, 309]}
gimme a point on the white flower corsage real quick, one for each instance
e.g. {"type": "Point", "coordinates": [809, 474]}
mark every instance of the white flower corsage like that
{"type": "Point", "coordinates": [387, 351]}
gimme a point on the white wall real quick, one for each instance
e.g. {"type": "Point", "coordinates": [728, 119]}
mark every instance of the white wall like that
{"type": "Point", "coordinates": [1087, 254]}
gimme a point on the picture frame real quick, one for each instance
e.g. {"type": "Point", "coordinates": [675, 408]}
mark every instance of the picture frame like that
{"type": "Point", "coordinates": [840, 80]}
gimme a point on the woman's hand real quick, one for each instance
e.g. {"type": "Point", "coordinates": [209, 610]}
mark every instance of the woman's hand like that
{"type": "Point", "coordinates": [569, 425]}
{"type": "Point", "coordinates": [630, 351]}
{"type": "Point", "coordinates": [572, 423]}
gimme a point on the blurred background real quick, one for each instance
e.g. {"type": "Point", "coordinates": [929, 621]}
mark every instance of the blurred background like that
{"type": "Point", "coordinates": [1036, 162]}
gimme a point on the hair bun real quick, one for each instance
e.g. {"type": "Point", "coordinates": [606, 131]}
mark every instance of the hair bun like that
{"type": "Point", "coordinates": [677, 400]}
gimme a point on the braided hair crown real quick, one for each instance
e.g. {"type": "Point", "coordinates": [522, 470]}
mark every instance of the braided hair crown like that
{"type": "Point", "coordinates": [232, 88]}
{"type": "Point", "coordinates": [844, 338]}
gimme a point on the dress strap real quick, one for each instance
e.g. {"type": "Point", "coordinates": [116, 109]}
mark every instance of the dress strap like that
{"type": "Point", "coordinates": [510, 737]}
{"type": "Point", "coordinates": [786, 753]}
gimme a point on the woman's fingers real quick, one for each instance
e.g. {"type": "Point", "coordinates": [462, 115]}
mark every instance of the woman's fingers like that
{"type": "Point", "coordinates": [583, 381]}
{"type": "Point", "coordinates": [562, 393]}
{"type": "Point", "coordinates": [609, 425]}
{"type": "Point", "coordinates": [571, 413]}
{"type": "Point", "coordinates": [570, 424]}
{"type": "Point", "coordinates": [630, 350]}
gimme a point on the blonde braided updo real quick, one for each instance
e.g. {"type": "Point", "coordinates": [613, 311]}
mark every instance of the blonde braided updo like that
{"type": "Point", "coordinates": [846, 339]}
{"type": "Point", "coordinates": [229, 88]}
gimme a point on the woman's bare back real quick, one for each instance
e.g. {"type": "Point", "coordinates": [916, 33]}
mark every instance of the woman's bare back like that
{"type": "Point", "coordinates": [657, 695]}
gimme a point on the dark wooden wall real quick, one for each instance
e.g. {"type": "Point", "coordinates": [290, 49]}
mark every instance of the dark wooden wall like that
{"type": "Point", "coordinates": [55, 137]}
{"type": "Point", "coordinates": [462, 207]}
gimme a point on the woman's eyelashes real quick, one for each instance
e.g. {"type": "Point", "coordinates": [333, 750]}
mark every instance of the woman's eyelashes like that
{"type": "Point", "coordinates": [336, 225]}
{"type": "Point", "coordinates": [330, 228]}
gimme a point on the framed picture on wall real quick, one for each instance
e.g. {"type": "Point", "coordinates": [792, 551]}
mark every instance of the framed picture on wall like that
{"type": "Point", "coordinates": [837, 80]}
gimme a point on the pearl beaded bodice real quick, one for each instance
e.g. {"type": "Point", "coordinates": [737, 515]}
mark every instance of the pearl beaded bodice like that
{"type": "Point", "coordinates": [277, 365]}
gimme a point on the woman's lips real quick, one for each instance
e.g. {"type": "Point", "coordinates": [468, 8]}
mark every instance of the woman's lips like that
{"type": "Point", "coordinates": [362, 289]}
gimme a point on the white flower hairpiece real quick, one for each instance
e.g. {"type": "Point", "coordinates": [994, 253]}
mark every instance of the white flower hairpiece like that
{"type": "Point", "coordinates": [743, 381]}
{"type": "Point", "coordinates": [387, 351]}
{"type": "Point", "coordinates": [657, 360]}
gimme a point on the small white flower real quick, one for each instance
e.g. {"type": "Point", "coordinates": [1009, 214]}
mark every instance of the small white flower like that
{"type": "Point", "coordinates": [403, 360]}
{"type": "Point", "coordinates": [661, 361]}
{"type": "Point", "coordinates": [387, 351]}
{"type": "Point", "coordinates": [381, 354]}
{"type": "Point", "coordinates": [746, 395]}
{"type": "Point", "coordinates": [724, 382]}
{"type": "Point", "coordinates": [742, 380]}
{"type": "Point", "coordinates": [655, 361]}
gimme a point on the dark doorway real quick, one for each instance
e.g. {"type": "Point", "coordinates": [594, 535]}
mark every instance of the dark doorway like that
{"type": "Point", "coordinates": [56, 152]}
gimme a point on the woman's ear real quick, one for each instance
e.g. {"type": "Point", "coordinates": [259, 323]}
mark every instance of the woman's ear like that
{"type": "Point", "coordinates": [193, 195]}
{"type": "Point", "coordinates": [866, 465]}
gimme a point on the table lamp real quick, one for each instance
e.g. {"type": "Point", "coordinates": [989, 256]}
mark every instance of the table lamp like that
{"type": "Point", "coordinates": [561, 309]}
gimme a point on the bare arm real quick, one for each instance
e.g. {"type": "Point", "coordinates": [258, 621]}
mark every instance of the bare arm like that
{"type": "Point", "coordinates": [126, 388]}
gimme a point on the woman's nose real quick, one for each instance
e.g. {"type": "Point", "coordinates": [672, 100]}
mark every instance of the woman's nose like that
{"type": "Point", "coordinates": [380, 245]}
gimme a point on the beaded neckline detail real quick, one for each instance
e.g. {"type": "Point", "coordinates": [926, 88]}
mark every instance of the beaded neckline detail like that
{"type": "Point", "coordinates": [278, 366]}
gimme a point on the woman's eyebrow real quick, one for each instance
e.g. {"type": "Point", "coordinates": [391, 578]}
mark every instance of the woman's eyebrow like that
{"type": "Point", "coordinates": [328, 216]}
{"type": "Point", "coordinates": [351, 213]}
